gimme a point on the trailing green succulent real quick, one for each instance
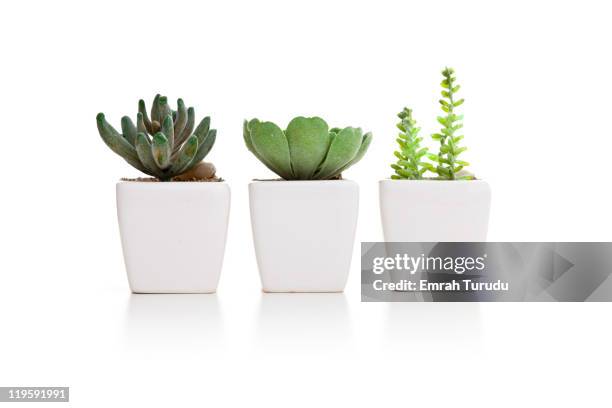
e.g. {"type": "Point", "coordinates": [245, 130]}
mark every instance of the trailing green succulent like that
{"type": "Point", "coordinates": [307, 149]}
{"type": "Point", "coordinates": [409, 164]}
{"type": "Point", "coordinates": [445, 164]}
{"type": "Point", "coordinates": [164, 144]}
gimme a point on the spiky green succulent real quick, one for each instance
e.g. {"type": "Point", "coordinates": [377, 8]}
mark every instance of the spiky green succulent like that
{"type": "Point", "coordinates": [409, 157]}
{"type": "Point", "coordinates": [164, 144]}
{"type": "Point", "coordinates": [445, 164]}
{"type": "Point", "coordinates": [307, 149]}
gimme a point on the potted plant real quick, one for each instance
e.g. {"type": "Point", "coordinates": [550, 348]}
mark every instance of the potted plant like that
{"type": "Point", "coordinates": [173, 225]}
{"type": "Point", "coordinates": [431, 197]}
{"type": "Point", "coordinates": [304, 225]}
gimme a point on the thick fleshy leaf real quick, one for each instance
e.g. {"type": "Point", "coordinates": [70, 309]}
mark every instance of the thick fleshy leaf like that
{"type": "Point", "coordinates": [308, 140]}
{"type": "Point", "coordinates": [342, 150]}
{"type": "Point", "coordinates": [202, 130]}
{"type": "Point", "coordinates": [143, 149]}
{"type": "Point", "coordinates": [203, 148]}
{"type": "Point", "coordinates": [365, 143]}
{"type": "Point", "coordinates": [142, 109]}
{"type": "Point", "coordinates": [271, 145]}
{"type": "Point", "coordinates": [141, 125]}
{"type": "Point", "coordinates": [128, 129]}
{"type": "Point", "coordinates": [168, 129]}
{"type": "Point", "coordinates": [247, 137]}
{"type": "Point", "coordinates": [247, 140]}
{"type": "Point", "coordinates": [160, 148]}
{"type": "Point", "coordinates": [113, 139]}
{"type": "Point", "coordinates": [188, 126]}
{"type": "Point", "coordinates": [185, 156]}
{"type": "Point", "coordinates": [164, 108]}
{"type": "Point", "coordinates": [117, 143]}
{"type": "Point", "coordinates": [181, 119]}
{"type": "Point", "coordinates": [155, 111]}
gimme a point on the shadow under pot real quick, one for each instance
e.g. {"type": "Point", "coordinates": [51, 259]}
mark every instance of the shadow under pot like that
{"type": "Point", "coordinates": [303, 233]}
{"type": "Point", "coordinates": [173, 234]}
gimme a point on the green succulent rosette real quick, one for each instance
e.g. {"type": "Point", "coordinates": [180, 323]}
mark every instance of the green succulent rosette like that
{"type": "Point", "coordinates": [307, 149]}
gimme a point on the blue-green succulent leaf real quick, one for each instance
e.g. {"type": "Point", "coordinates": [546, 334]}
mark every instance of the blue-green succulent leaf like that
{"type": "Point", "coordinates": [164, 108]}
{"type": "Point", "coordinates": [117, 143]}
{"type": "Point", "coordinates": [160, 149]}
{"type": "Point", "coordinates": [202, 130]}
{"type": "Point", "coordinates": [181, 120]}
{"type": "Point", "coordinates": [142, 109]}
{"type": "Point", "coordinates": [204, 148]}
{"type": "Point", "coordinates": [128, 129]}
{"type": "Point", "coordinates": [143, 148]}
{"type": "Point", "coordinates": [168, 130]}
{"type": "Point", "coordinates": [141, 125]}
{"type": "Point", "coordinates": [185, 156]}
{"type": "Point", "coordinates": [155, 109]}
{"type": "Point", "coordinates": [189, 125]}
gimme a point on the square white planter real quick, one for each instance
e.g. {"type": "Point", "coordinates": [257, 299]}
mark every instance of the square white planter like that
{"type": "Point", "coordinates": [434, 210]}
{"type": "Point", "coordinates": [304, 233]}
{"type": "Point", "coordinates": [173, 234]}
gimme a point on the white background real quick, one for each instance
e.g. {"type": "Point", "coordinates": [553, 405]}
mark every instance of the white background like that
{"type": "Point", "coordinates": [536, 78]}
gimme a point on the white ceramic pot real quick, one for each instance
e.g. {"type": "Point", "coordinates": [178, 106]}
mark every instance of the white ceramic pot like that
{"type": "Point", "coordinates": [173, 234]}
{"type": "Point", "coordinates": [434, 210]}
{"type": "Point", "coordinates": [304, 233]}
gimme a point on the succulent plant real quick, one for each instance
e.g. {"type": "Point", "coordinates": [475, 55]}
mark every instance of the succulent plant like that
{"type": "Point", "coordinates": [164, 144]}
{"type": "Point", "coordinates": [445, 164]}
{"type": "Point", "coordinates": [448, 166]}
{"type": "Point", "coordinates": [409, 164]}
{"type": "Point", "coordinates": [307, 149]}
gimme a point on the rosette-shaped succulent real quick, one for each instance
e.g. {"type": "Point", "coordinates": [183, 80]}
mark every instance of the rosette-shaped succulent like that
{"type": "Point", "coordinates": [307, 149]}
{"type": "Point", "coordinates": [163, 145]}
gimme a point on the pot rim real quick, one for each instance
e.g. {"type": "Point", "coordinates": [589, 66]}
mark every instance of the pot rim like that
{"type": "Point", "coordinates": [477, 181]}
{"type": "Point", "coordinates": [170, 182]}
{"type": "Point", "coordinates": [282, 181]}
{"type": "Point", "coordinates": [172, 186]}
